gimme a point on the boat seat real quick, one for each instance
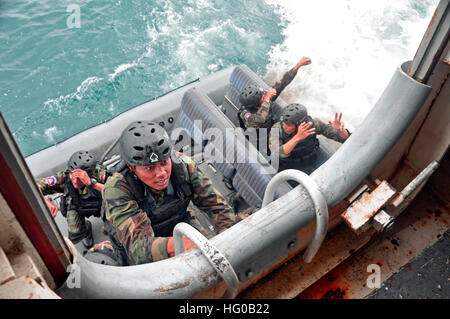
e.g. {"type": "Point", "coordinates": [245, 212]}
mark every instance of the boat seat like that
{"type": "Point", "coordinates": [248, 167]}
{"type": "Point", "coordinates": [197, 106]}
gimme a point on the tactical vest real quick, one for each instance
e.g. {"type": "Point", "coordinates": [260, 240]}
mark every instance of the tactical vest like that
{"type": "Point", "coordinates": [305, 148]}
{"type": "Point", "coordinates": [172, 209]}
{"type": "Point", "coordinates": [164, 215]}
{"type": "Point", "coordinates": [85, 204]}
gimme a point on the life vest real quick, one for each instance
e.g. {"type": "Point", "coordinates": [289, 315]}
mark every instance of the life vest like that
{"type": "Point", "coordinates": [85, 204]}
{"type": "Point", "coordinates": [305, 149]}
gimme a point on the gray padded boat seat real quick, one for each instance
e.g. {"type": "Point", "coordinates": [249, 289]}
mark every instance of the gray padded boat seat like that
{"type": "Point", "coordinates": [246, 167]}
{"type": "Point", "coordinates": [196, 106]}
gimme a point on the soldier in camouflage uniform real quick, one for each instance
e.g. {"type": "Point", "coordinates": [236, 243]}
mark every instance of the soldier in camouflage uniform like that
{"type": "Point", "coordinates": [299, 146]}
{"type": "Point", "coordinates": [81, 195]}
{"type": "Point", "coordinates": [146, 199]}
{"type": "Point", "coordinates": [257, 110]}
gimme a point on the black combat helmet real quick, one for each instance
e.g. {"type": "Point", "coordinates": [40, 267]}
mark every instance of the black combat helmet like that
{"type": "Point", "coordinates": [82, 160]}
{"type": "Point", "coordinates": [143, 143]}
{"type": "Point", "coordinates": [251, 96]}
{"type": "Point", "coordinates": [294, 114]}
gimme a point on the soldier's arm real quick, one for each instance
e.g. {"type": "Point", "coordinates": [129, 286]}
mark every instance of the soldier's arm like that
{"type": "Point", "coordinates": [284, 82]}
{"type": "Point", "coordinates": [208, 199]}
{"type": "Point", "coordinates": [289, 76]}
{"type": "Point", "coordinates": [258, 118]}
{"type": "Point", "coordinates": [327, 131]}
{"type": "Point", "coordinates": [133, 227]}
{"type": "Point", "coordinates": [272, 142]}
{"type": "Point", "coordinates": [52, 184]}
{"type": "Point", "coordinates": [303, 131]}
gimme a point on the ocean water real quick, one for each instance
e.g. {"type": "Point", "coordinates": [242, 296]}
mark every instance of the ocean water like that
{"type": "Point", "coordinates": [61, 72]}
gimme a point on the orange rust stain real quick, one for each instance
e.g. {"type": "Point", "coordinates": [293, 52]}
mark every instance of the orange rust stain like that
{"type": "Point", "coordinates": [334, 294]}
{"type": "Point", "coordinates": [423, 223]}
{"type": "Point", "coordinates": [328, 287]}
{"type": "Point", "coordinates": [176, 286]}
{"type": "Point", "coordinates": [370, 215]}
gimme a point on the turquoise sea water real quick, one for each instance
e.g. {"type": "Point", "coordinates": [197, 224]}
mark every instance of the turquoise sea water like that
{"type": "Point", "coordinates": [57, 80]}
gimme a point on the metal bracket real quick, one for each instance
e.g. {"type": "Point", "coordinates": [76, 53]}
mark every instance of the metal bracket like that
{"type": "Point", "coordinates": [214, 256]}
{"type": "Point", "coordinates": [362, 211]}
{"type": "Point", "coordinates": [318, 199]}
{"type": "Point", "coordinates": [368, 211]}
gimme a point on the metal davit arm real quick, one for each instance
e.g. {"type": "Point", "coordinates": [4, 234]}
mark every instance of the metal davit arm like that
{"type": "Point", "coordinates": [369, 144]}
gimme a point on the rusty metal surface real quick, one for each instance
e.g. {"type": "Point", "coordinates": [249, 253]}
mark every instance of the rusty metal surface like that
{"type": "Point", "coordinates": [361, 212]}
{"type": "Point", "coordinates": [340, 268]}
{"type": "Point", "coordinates": [424, 277]}
{"type": "Point", "coordinates": [419, 226]}
{"type": "Point", "coordinates": [296, 275]}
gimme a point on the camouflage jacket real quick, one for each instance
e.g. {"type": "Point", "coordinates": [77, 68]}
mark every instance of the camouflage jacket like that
{"type": "Point", "coordinates": [133, 227]}
{"type": "Point", "coordinates": [56, 183]}
{"type": "Point", "coordinates": [53, 184]}
{"type": "Point", "coordinates": [321, 128]}
{"type": "Point", "coordinates": [259, 118]}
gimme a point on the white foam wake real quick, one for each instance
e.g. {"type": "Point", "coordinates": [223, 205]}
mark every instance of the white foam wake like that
{"type": "Point", "coordinates": [355, 47]}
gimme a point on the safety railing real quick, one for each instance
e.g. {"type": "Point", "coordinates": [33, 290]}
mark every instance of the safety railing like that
{"type": "Point", "coordinates": [211, 253]}
{"type": "Point", "coordinates": [320, 205]}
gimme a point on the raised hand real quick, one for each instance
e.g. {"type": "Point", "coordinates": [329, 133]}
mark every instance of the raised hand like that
{"type": "Point", "coordinates": [271, 92]}
{"type": "Point", "coordinates": [339, 126]}
{"type": "Point", "coordinates": [82, 176]}
{"type": "Point", "coordinates": [303, 61]}
{"type": "Point", "coordinates": [304, 130]}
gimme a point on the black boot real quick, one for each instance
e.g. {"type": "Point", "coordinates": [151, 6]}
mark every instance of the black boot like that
{"type": "Point", "coordinates": [88, 240]}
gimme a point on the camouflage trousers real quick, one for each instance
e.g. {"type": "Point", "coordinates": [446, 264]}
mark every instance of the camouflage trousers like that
{"type": "Point", "coordinates": [76, 226]}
